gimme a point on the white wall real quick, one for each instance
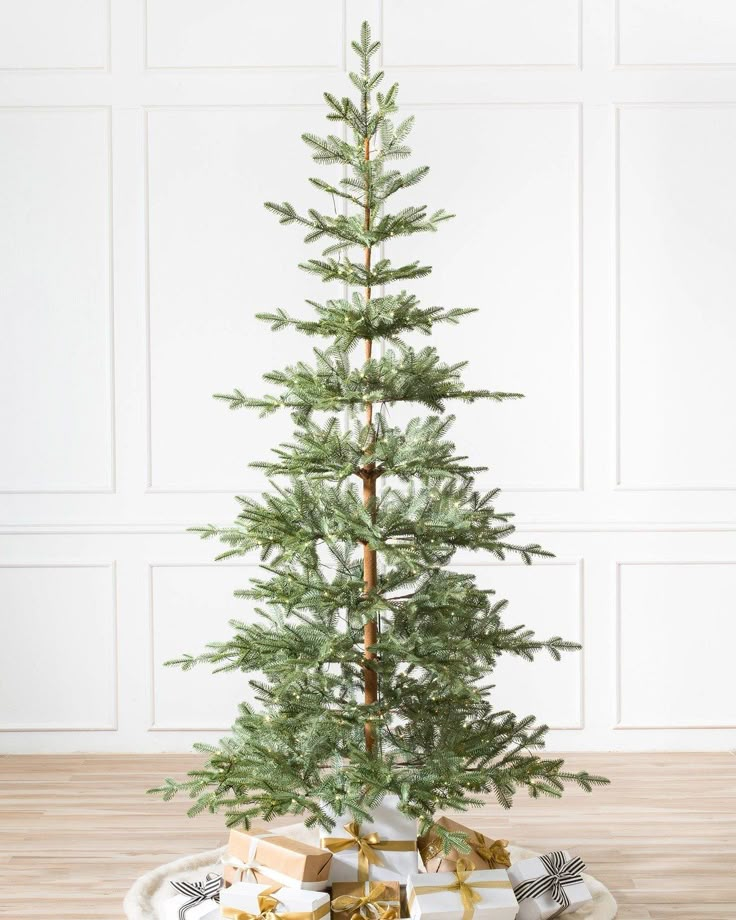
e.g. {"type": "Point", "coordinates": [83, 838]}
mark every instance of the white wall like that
{"type": "Point", "coordinates": [588, 149]}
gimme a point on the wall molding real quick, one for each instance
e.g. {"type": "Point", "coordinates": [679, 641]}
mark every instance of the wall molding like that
{"type": "Point", "coordinates": [560, 561]}
{"type": "Point", "coordinates": [76, 564]}
{"type": "Point", "coordinates": [670, 65]}
{"type": "Point", "coordinates": [75, 68]}
{"type": "Point", "coordinates": [575, 66]}
{"type": "Point", "coordinates": [619, 725]}
{"type": "Point", "coordinates": [110, 321]}
{"type": "Point", "coordinates": [252, 68]}
{"type": "Point", "coordinates": [618, 484]}
{"type": "Point", "coordinates": [153, 725]}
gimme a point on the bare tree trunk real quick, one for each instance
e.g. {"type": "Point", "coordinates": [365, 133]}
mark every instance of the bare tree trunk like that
{"type": "Point", "coordinates": [368, 474]}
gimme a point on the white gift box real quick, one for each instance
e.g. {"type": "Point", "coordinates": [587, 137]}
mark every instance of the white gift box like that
{"type": "Point", "coordinates": [244, 896]}
{"type": "Point", "coordinates": [394, 846]}
{"type": "Point", "coordinates": [543, 905]}
{"type": "Point", "coordinates": [204, 910]}
{"type": "Point", "coordinates": [497, 899]}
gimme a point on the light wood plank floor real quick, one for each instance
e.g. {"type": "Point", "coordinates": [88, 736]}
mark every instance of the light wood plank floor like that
{"type": "Point", "coordinates": [75, 830]}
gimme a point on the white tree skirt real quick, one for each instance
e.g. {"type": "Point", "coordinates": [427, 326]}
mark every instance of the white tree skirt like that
{"type": "Point", "coordinates": [144, 900]}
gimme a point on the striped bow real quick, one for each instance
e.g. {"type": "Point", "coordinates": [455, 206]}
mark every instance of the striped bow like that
{"type": "Point", "coordinates": [198, 892]}
{"type": "Point", "coordinates": [559, 873]}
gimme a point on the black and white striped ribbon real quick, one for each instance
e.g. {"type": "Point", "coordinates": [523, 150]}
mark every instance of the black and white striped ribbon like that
{"type": "Point", "coordinates": [560, 872]}
{"type": "Point", "coordinates": [198, 892]}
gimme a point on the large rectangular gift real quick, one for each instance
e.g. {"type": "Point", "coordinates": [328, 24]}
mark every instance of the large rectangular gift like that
{"type": "Point", "coordinates": [383, 849]}
{"type": "Point", "coordinates": [369, 900]}
{"type": "Point", "coordinates": [268, 858]}
{"type": "Point", "coordinates": [248, 901]}
{"type": "Point", "coordinates": [194, 900]}
{"type": "Point", "coordinates": [547, 886]}
{"type": "Point", "coordinates": [467, 893]}
{"type": "Point", "coordinates": [485, 852]}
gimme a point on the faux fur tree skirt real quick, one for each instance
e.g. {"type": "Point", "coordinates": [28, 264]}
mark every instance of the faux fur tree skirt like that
{"type": "Point", "coordinates": [144, 900]}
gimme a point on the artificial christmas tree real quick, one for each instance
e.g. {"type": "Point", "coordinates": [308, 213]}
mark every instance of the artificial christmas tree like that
{"type": "Point", "coordinates": [374, 655]}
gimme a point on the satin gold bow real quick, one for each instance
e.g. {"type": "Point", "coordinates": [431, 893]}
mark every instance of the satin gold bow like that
{"type": "Point", "coordinates": [467, 890]}
{"type": "Point", "coordinates": [267, 910]}
{"type": "Point", "coordinates": [366, 845]}
{"type": "Point", "coordinates": [492, 852]}
{"type": "Point", "coordinates": [367, 906]}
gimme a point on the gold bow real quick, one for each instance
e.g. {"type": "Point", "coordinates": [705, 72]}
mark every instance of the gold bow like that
{"type": "Point", "coordinates": [268, 907]}
{"type": "Point", "coordinates": [366, 844]}
{"type": "Point", "coordinates": [364, 908]}
{"type": "Point", "coordinates": [467, 891]}
{"type": "Point", "coordinates": [492, 852]}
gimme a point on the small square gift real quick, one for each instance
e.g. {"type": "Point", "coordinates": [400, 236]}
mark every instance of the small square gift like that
{"type": "Point", "coordinates": [383, 849]}
{"type": "Point", "coordinates": [366, 901]}
{"type": "Point", "coordinates": [271, 858]}
{"type": "Point", "coordinates": [248, 901]}
{"type": "Point", "coordinates": [194, 900]}
{"type": "Point", "coordinates": [547, 886]}
{"type": "Point", "coordinates": [467, 893]}
{"type": "Point", "coordinates": [485, 853]}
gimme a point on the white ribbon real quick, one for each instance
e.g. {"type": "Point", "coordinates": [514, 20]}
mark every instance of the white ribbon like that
{"type": "Point", "coordinates": [252, 865]}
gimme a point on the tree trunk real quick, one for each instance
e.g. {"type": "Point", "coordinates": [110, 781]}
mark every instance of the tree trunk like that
{"type": "Point", "coordinates": [370, 564]}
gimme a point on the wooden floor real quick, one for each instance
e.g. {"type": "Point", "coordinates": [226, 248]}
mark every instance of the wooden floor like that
{"type": "Point", "coordinates": [76, 830]}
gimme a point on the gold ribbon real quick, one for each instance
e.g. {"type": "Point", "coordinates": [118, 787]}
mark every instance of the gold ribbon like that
{"type": "Point", "coordinates": [268, 910]}
{"type": "Point", "coordinates": [467, 890]}
{"type": "Point", "coordinates": [368, 906]}
{"type": "Point", "coordinates": [492, 852]}
{"type": "Point", "coordinates": [366, 844]}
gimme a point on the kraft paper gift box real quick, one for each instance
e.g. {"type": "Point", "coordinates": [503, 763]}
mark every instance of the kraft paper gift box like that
{"type": "Point", "coordinates": [467, 893]}
{"type": "Point", "coordinates": [381, 850]}
{"type": "Point", "coordinates": [367, 900]}
{"type": "Point", "coordinates": [248, 901]}
{"type": "Point", "coordinates": [550, 885]}
{"type": "Point", "coordinates": [269, 858]}
{"type": "Point", "coordinates": [194, 900]}
{"type": "Point", "coordinates": [485, 852]}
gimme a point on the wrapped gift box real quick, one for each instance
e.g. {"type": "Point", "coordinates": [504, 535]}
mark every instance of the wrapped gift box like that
{"type": "Point", "coordinates": [244, 899]}
{"type": "Point", "coordinates": [470, 894]}
{"type": "Point", "coordinates": [271, 858]}
{"type": "Point", "coordinates": [194, 900]}
{"type": "Point", "coordinates": [547, 886]}
{"type": "Point", "coordinates": [381, 850]}
{"type": "Point", "coordinates": [203, 910]}
{"type": "Point", "coordinates": [485, 853]}
{"type": "Point", "coordinates": [371, 900]}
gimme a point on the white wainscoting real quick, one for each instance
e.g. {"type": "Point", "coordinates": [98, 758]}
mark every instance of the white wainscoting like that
{"type": "Point", "coordinates": [587, 149]}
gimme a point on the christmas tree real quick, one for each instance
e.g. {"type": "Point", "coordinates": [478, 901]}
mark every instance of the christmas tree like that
{"type": "Point", "coordinates": [373, 656]}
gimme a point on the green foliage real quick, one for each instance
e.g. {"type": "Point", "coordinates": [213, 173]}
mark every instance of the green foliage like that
{"type": "Point", "coordinates": [440, 741]}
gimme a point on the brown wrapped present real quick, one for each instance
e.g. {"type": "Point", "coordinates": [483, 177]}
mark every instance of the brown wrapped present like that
{"type": "Point", "coordinates": [484, 852]}
{"type": "Point", "coordinates": [366, 901]}
{"type": "Point", "coordinates": [268, 858]}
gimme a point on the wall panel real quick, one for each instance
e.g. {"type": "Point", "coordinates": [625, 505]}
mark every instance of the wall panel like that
{"type": "Point", "coordinates": [505, 33]}
{"type": "Point", "coordinates": [685, 609]}
{"type": "Point", "coordinates": [676, 32]}
{"type": "Point", "coordinates": [547, 598]}
{"type": "Point", "coordinates": [677, 194]}
{"type": "Point", "coordinates": [55, 351]}
{"type": "Point", "coordinates": [243, 33]}
{"type": "Point", "coordinates": [54, 34]}
{"type": "Point", "coordinates": [190, 607]}
{"type": "Point", "coordinates": [215, 258]}
{"type": "Point", "coordinates": [58, 656]}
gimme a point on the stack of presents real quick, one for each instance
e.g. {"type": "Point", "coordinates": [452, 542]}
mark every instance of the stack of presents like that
{"type": "Point", "coordinates": [380, 871]}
